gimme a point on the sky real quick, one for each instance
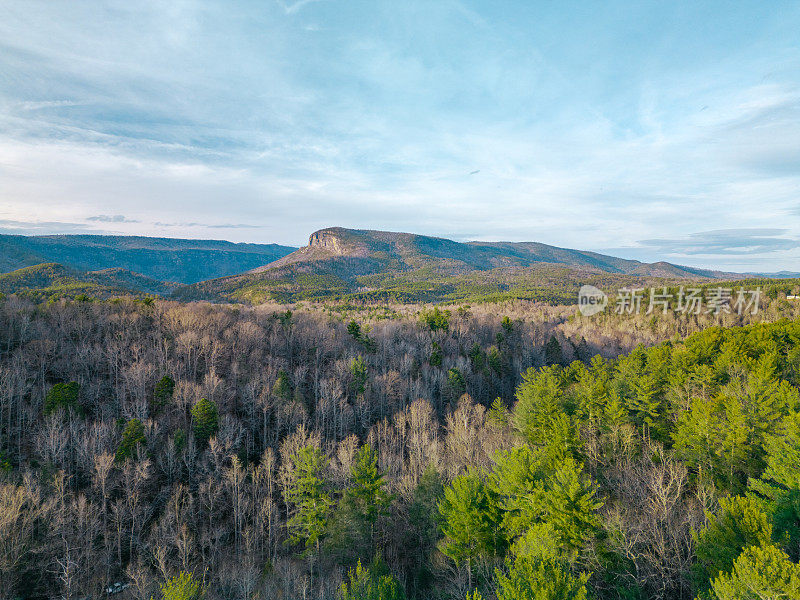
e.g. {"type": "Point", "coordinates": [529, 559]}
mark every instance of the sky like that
{"type": "Point", "coordinates": [648, 130]}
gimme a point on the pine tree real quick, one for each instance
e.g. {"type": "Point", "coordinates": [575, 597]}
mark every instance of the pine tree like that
{"type": "Point", "coordinates": [132, 436]}
{"type": "Point", "coordinates": [62, 395]}
{"type": "Point", "coordinates": [352, 527]}
{"type": "Point", "coordinates": [553, 354]}
{"type": "Point", "coordinates": [183, 586]}
{"type": "Point", "coordinates": [372, 583]}
{"type": "Point", "coordinates": [779, 485]}
{"type": "Point", "coordinates": [205, 420]}
{"type": "Point", "coordinates": [163, 391]}
{"type": "Point", "coordinates": [282, 388]}
{"type": "Point", "coordinates": [540, 579]}
{"type": "Point", "coordinates": [760, 572]}
{"type": "Point", "coordinates": [310, 500]}
{"type": "Point", "coordinates": [738, 524]}
{"type": "Point", "coordinates": [358, 370]}
{"type": "Point", "coordinates": [470, 521]}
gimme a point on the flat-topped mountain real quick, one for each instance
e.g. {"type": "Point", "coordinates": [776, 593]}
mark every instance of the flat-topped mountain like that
{"type": "Point", "coordinates": [340, 261]}
{"type": "Point", "coordinates": [164, 259]}
{"type": "Point", "coordinates": [372, 250]}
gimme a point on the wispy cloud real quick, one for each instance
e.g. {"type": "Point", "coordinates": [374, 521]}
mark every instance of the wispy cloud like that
{"type": "Point", "coordinates": [726, 241]}
{"type": "Point", "coordinates": [293, 7]}
{"type": "Point", "coordinates": [112, 219]}
{"type": "Point", "coordinates": [591, 129]}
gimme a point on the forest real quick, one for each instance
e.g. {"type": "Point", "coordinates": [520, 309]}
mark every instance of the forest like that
{"type": "Point", "coordinates": [157, 449]}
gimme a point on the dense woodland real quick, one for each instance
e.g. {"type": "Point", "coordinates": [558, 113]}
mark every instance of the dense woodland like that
{"type": "Point", "coordinates": [505, 451]}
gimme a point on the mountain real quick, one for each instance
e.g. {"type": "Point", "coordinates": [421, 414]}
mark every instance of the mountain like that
{"type": "Point", "coordinates": [164, 259]}
{"type": "Point", "coordinates": [52, 280]}
{"type": "Point", "coordinates": [376, 264]}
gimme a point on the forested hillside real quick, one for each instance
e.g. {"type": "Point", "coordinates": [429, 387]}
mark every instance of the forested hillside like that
{"type": "Point", "coordinates": [406, 267]}
{"type": "Point", "coordinates": [505, 451]}
{"type": "Point", "coordinates": [164, 259]}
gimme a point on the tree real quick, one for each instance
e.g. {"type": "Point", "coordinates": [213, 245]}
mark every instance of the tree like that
{"type": "Point", "coordinates": [307, 494]}
{"type": "Point", "coordinates": [436, 355]}
{"type": "Point", "coordinates": [738, 524]}
{"type": "Point", "coordinates": [540, 578]}
{"type": "Point", "coordinates": [282, 388]}
{"type": "Point", "coordinates": [553, 354]}
{"type": "Point", "coordinates": [61, 395]}
{"type": "Point", "coordinates": [354, 329]}
{"type": "Point", "coordinates": [540, 414]}
{"type": "Point", "coordinates": [760, 572]}
{"type": "Point", "coordinates": [182, 587]}
{"type": "Point", "coordinates": [456, 383]}
{"type": "Point", "coordinates": [358, 369]}
{"type": "Point", "coordinates": [372, 583]}
{"type": "Point", "coordinates": [163, 391]}
{"type": "Point", "coordinates": [495, 359]}
{"type": "Point", "coordinates": [421, 533]}
{"type": "Point", "coordinates": [779, 485]}
{"type": "Point", "coordinates": [132, 436]}
{"type": "Point", "coordinates": [352, 527]}
{"type": "Point", "coordinates": [436, 319]}
{"type": "Point", "coordinates": [507, 325]}
{"type": "Point", "coordinates": [470, 521]}
{"type": "Point", "coordinates": [205, 420]}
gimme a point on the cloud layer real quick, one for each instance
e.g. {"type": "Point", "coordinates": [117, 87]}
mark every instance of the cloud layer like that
{"type": "Point", "coordinates": [605, 127]}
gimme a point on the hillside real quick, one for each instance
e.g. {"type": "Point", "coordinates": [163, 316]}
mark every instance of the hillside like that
{"type": "Point", "coordinates": [164, 259]}
{"type": "Point", "coordinates": [404, 266]}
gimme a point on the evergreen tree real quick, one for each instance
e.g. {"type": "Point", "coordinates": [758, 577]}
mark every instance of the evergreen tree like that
{"type": "Point", "coordinates": [372, 583]}
{"type": "Point", "coordinates": [779, 486]}
{"type": "Point", "coordinates": [310, 500]}
{"type": "Point", "coordinates": [456, 383]}
{"type": "Point", "coordinates": [182, 587]}
{"type": "Point", "coordinates": [62, 395]}
{"type": "Point", "coordinates": [132, 436]}
{"type": "Point", "coordinates": [163, 391]}
{"type": "Point", "coordinates": [759, 573]}
{"type": "Point", "coordinates": [282, 388]}
{"type": "Point", "coordinates": [470, 521]}
{"type": "Point", "coordinates": [436, 355]}
{"type": "Point", "coordinates": [738, 524]}
{"type": "Point", "coordinates": [436, 319]}
{"type": "Point", "coordinates": [354, 329]}
{"type": "Point", "coordinates": [205, 420]}
{"type": "Point", "coordinates": [358, 370]}
{"type": "Point", "coordinates": [352, 527]}
{"type": "Point", "coordinates": [553, 354]}
{"type": "Point", "coordinates": [544, 578]}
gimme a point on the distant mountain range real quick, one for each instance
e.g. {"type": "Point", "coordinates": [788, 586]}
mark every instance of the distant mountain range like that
{"type": "Point", "coordinates": [164, 259]}
{"type": "Point", "coordinates": [405, 266]}
{"type": "Point", "coordinates": [337, 263]}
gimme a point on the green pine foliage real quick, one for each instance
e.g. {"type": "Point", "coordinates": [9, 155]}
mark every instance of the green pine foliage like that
{"type": "Point", "coordinates": [282, 388]}
{"type": "Point", "coordinates": [205, 420]}
{"type": "Point", "coordinates": [371, 583]}
{"type": "Point", "coordinates": [351, 530]}
{"type": "Point", "coordinates": [62, 395]}
{"type": "Point", "coordinates": [183, 586]}
{"type": "Point", "coordinates": [470, 520]}
{"type": "Point", "coordinates": [308, 495]}
{"type": "Point", "coordinates": [436, 319]}
{"type": "Point", "coordinates": [739, 524]}
{"type": "Point", "coordinates": [760, 572]}
{"type": "Point", "coordinates": [164, 390]}
{"type": "Point", "coordinates": [132, 436]}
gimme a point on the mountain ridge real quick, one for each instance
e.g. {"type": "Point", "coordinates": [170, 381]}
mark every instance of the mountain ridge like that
{"type": "Point", "coordinates": [165, 259]}
{"type": "Point", "coordinates": [373, 264]}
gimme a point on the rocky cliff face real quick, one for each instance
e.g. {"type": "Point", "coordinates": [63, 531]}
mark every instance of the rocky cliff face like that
{"type": "Point", "coordinates": [327, 240]}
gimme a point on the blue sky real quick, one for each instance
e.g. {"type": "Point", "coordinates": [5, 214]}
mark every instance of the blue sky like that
{"type": "Point", "coordinates": [650, 130]}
